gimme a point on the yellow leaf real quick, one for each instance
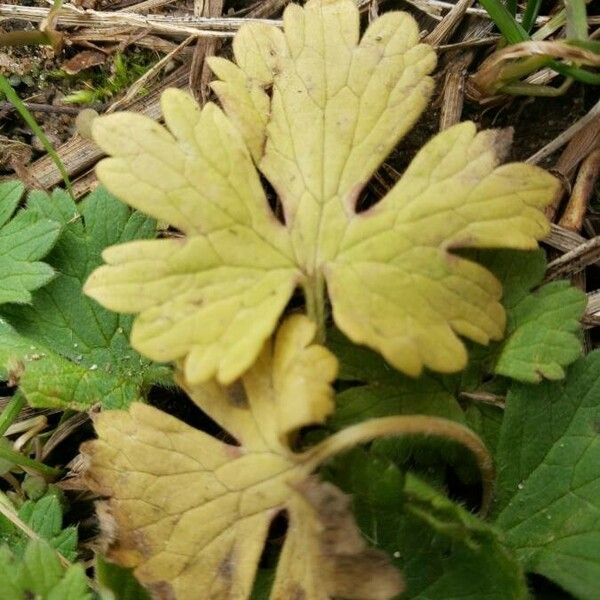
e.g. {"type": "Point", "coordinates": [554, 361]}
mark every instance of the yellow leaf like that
{"type": "Point", "coordinates": [315, 109]}
{"type": "Point", "coordinates": [191, 513]}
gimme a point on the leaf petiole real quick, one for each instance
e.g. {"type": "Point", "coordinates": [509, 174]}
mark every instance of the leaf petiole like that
{"type": "Point", "coordinates": [411, 425]}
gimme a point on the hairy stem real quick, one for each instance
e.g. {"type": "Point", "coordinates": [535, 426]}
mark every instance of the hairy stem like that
{"type": "Point", "coordinates": [411, 425]}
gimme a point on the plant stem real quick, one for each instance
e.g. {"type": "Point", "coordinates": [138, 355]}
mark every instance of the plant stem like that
{"type": "Point", "coordinates": [411, 425]}
{"type": "Point", "coordinates": [10, 412]}
{"type": "Point", "coordinates": [24, 461]}
{"type": "Point", "coordinates": [314, 293]}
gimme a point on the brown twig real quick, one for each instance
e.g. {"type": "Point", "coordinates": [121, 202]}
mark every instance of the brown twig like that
{"type": "Point", "coordinates": [446, 27]}
{"type": "Point", "coordinates": [453, 95]}
{"type": "Point", "coordinates": [200, 74]}
{"type": "Point", "coordinates": [575, 260]}
{"type": "Point", "coordinates": [42, 108]}
{"type": "Point", "coordinates": [582, 190]}
{"type": "Point", "coordinates": [588, 120]}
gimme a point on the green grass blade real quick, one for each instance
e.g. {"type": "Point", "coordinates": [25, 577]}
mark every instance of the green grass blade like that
{"type": "Point", "coordinates": [532, 11]}
{"type": "Point", "coordinates": [577, 26]}
{"type": "Point", "coordinates": [577, 73]}
{"type": "Point", "coordinates": [508, 26]}
{"type": "Point", "coordinates": [14, 99]}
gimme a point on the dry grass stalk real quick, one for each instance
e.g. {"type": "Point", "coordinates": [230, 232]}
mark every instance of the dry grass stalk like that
{"type": "Point", "coordinates": [123, 36]}
{"type": "Point", "coordinates": [454, 88]}
{"type": "Point", "coordinates": [146, 6]}
{"type": "Point", "coordinates": [588, 120]}
{"type": "Point", "coordinates": [264, 8]}
{"type": "Point", "coordinates": [200, 74]}
{"type": "Point", "coordinates": [584, 186]}
{"type": "Point", "coordinates": [447, 26]}
{"type": "Point", "coordinates": [580, 146]}
{"type": "Point", "coordinates": [69, 16]}
{"type": "Point", "coordinates": [486, 41]}
{"type": "Point", "coordinates": [575, 260]}
{"type": "Point", "coordinates": [563, 239]}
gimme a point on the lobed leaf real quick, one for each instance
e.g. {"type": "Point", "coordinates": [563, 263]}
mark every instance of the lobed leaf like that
{"type": "Point", "coordinates": [39, 574]}
{"type": "Point", "coordinates": [445, 552]}
{"type": "Point", "coordinates": [75, 353]}
{"type": "Point", "coordinates": [45, 517]}
{"type": "Point", "coordinates": [543, 328]}
{"type": "Point", "coordinates": [209, 536]}
{"type": "Point", "coordinates": [549, 476]}
{"type": "Point", "coordinates": [315, 109]}
{"type": "Point", "coordinates": [25, 238]}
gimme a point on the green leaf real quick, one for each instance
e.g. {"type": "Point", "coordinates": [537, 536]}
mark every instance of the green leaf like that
{"type": "Point", "coordinates": [44, 517]}
{"type": "Point", "coordinates": [543, 334]}
{"type": "Point", "coordinates": [76, 353]}
{"type": "Point", "coordinates": [391, 273]}
{"type": "Point", "coordinates": [548, 500]}
{"type": "Point", "coordinates": [117, 582]}
{"type": "Point", "coordinates": [486, 420]}
{"type": "Point", "coordinates": [542, 326]}
{"type": "Point", "coordinates": [445, 552]}
{"type": "Point", "coordinates": [41, 569]}
{"type": "Point", "coordinates": [380, 390]}
{"type": "Point", "coordinates": [40, 573]}
{"type": "Point", "coordinates": [73, 586]}
{"type": "Point", "coordinates": [24, 240]}
{"type": "Point", "coordinates": [9, 580]}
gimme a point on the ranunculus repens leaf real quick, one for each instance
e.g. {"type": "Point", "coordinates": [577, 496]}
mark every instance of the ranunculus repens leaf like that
{"type": "Point", "coordinates": [191, 513]}
{"type": "Point", "coordinates": [315, 109]}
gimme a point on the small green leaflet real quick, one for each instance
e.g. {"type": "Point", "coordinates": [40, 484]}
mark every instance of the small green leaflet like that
{"type": "Point", "coordinates": [24, 240]}
{"type": "Point", "coordinates": [542, 326]}
{"type": "Point", "coordinates": [548, 492]}
{"type": "Point", "coordinates": [444, 552]}
{"type": "Point", "coordinates": [45, 518]}
{"type": "Point", "coordinates": [74, 352]}
{"type": "Point", "coordinates": [40, 574]}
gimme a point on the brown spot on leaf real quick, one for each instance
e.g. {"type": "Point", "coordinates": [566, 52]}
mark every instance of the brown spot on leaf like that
{"type": "Point", "coordinates": [15, 372]}
{"type": "Point", "coordinates": [226, 568]}
{"type": "Point", "coordinates": [161, 590]}
{"type": "Point", "coordinates": [297, 592]}
{"type": "Point", "coordinates": [502, 142]}
{"type": "Point", "coordinates": [237, 395]}
{"type": "Point", "coordinates": [345, 556]}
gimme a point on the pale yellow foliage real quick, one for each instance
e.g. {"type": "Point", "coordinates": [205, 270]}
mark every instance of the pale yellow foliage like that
{"type": "Point", "coordinates": [316, 110]}
{"type": "Point", "coordinates": [191, 513]}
